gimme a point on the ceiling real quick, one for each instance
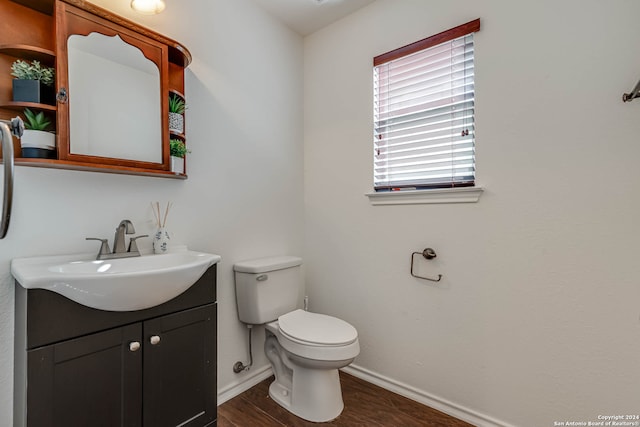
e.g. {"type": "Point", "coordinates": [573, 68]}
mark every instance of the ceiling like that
{"type": "Point", "coordinates": [308, 16]}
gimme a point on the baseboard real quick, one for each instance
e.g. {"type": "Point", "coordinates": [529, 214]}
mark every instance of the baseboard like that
{"type": "Point", "coordinates": [247, 382]}
{"type": "Point", "coordinates": [425, 398]}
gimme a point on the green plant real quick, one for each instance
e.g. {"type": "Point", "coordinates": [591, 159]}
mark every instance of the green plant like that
{"type": "Point", "coordinates": [177, 104]}
{"type": "Point", "coordinates": [23, 70]}
{"type": "Point", "coordinates": [177, 148]}
{"type": "Point", "coordinates": [36, 121]}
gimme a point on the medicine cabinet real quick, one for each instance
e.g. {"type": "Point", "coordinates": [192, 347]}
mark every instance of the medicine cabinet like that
{"type": "Point", "coordinates": [113, 83]}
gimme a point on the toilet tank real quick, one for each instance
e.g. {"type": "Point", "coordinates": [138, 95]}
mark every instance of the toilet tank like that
{"type": "Point", "coordinates": [267, 288]}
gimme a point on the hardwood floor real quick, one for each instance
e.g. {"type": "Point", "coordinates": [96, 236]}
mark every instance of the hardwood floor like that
{"type": "Point", "coordinates": [365, 405]}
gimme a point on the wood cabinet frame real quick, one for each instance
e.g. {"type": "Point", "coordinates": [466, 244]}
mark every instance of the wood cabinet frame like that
{"type": "Point", "coordinates": [38, 29]}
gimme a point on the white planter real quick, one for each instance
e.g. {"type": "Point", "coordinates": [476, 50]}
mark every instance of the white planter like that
{"type": "Point", "coordinates": [177, 164]}
{"type": "Point", "coordinates": [176, 122]}
{"type": "Point", "coordinates": [38, 139]}
{"type": "Point", "coordinates": [38, 144]}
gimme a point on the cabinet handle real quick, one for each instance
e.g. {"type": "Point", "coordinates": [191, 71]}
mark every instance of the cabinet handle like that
{"type": "Point", "coordinates": [155, 339]}
{"type": "Point", "coordinates": [134, 346]}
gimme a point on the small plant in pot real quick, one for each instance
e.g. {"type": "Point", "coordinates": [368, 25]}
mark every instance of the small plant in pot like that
{"type": "Point", "coordinates": [177, 150]}
{"type": "Point", "coordinates": [37, 140]}
{"type": "Point", "coordinates": [177, 107]}
{"type": "Point", "coordinates": [33, 82]}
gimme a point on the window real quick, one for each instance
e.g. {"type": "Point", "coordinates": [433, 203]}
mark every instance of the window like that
{"type": "Point", "coordinates": [424, 113]}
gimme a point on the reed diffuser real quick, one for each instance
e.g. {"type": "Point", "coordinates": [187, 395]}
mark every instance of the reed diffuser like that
{"type": "Point", "coordinates": [161, 238]}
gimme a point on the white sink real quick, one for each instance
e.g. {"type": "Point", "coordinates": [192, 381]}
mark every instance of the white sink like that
{"type": "Point", "coordinates": [124, 284]}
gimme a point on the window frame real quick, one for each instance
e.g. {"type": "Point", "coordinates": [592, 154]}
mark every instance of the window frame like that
{"type": "Point", "coordinates": [420, 45]}
{"type": "Point", "coordinates": [443, 37]}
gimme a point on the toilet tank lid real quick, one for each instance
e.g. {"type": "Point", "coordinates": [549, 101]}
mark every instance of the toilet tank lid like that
{"type": "Point", "coordinates": [264, 265]}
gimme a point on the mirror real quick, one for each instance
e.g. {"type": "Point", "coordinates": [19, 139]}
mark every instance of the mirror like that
{"type": "Point", "coordinates": [114, 100]}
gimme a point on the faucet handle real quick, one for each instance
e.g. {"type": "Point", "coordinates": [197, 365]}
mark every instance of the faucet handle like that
{"type": "Point", "coordinates": [133, 246]}
{"type": "Point", "coordinates": [104, 247]}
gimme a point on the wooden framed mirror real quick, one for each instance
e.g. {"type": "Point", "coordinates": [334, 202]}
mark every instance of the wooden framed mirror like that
{"type": "Point", "coordinates": [116, 109]}
{"type": "Point", "coordinates": [114, 81]}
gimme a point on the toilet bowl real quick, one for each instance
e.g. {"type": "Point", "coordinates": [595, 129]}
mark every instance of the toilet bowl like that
{"type": "Point", "coordinates": [305, 349]}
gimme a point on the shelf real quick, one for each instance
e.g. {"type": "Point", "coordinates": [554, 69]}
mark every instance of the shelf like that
{"type": "Point", "coordinates": [178, 54]}
{"type": "Point", "coordinates": [65, 164]}
{"type": "Point", "coordinates": [23, 51]}
{"type": "Point", "coordinates": [20, 106]}
{"type": "Point", "coordinates": [176, 92]}
{"type": "Point", "coordinates": [43, 6]}
{"type": "Point", "coordinates": [173, 133]}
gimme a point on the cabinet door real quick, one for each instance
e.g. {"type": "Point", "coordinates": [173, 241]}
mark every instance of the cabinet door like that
{"type": "Point", "coordinates": [89, 381]}
{"type": "Point", "coordinates": [180, 369]}
{"type": "Point", "coordinates": [97, 72]}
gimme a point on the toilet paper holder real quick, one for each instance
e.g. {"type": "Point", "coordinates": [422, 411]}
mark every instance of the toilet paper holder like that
{"type": "Point", "coordinates": [428, 254]}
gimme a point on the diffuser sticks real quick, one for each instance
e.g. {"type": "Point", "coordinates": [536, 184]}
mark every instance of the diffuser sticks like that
{"type": "Point", "coordinates": [160, 221]}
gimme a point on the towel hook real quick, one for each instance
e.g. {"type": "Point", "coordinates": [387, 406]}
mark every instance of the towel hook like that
{"type": "Point", "coordinates": [635, 93]}
{"type": "Point", "coordinates": [428, 253]}
{"type": "Point", "coordinates": [7, 128]}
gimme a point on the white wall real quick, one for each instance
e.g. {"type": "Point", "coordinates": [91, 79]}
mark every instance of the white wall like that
{"type": "Point", "coordinates": [243, 197]}
{"type": "Point", "coordinates": [536, 319]}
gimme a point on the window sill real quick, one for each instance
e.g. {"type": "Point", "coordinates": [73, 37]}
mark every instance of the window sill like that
{"type": "Point", "coordinates": [419, 197]}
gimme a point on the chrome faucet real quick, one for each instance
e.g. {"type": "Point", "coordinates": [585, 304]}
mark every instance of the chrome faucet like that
{"type": "Point", "coordinates": [119, 251]}
{"type": "Point", "coordinates": [125, 227]}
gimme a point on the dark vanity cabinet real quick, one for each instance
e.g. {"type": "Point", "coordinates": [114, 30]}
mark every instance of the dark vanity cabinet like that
{"type": "Point", "coordinates": [78, 366]}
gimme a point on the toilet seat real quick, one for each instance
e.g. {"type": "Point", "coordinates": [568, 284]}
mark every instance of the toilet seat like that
{"type": "Point", "coordinates": [314, 329]}
{"type": "Point", "coordinates": [317, 337]}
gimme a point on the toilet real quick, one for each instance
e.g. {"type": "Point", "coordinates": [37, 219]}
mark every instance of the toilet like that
{"type": "Point", "coordinates": [305, 349]}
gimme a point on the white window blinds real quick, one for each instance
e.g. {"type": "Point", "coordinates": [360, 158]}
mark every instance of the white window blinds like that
{"type": "Point", "coordinates": [424, 113]}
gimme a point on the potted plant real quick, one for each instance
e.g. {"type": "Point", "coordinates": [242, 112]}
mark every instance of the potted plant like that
{"type": "Point", "coordinates": [37, 140]}
{"type": "Point", "coordinates": [177, 150]}
{"type": "Point", "coordinates": [33, 82]}
{"type": "Point", "coordinates": [177, 107]}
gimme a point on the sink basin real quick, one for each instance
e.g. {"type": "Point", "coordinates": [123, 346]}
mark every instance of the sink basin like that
{"type": "Point", "coordinates": [124, 284]}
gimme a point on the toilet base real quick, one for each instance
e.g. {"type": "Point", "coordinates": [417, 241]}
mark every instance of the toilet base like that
{"type": "Point", "coordinates": [308, 387]}
{"type": "Point", "coordinates": [316, 394]}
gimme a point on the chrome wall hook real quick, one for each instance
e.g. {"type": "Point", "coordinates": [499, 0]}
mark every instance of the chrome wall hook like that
{"type": "Point", "coordinates": [13, 127]}
{"type": "Point", "coordinates": [635, 93]}
{"type": "Point", "coordinates": [428, 253]}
